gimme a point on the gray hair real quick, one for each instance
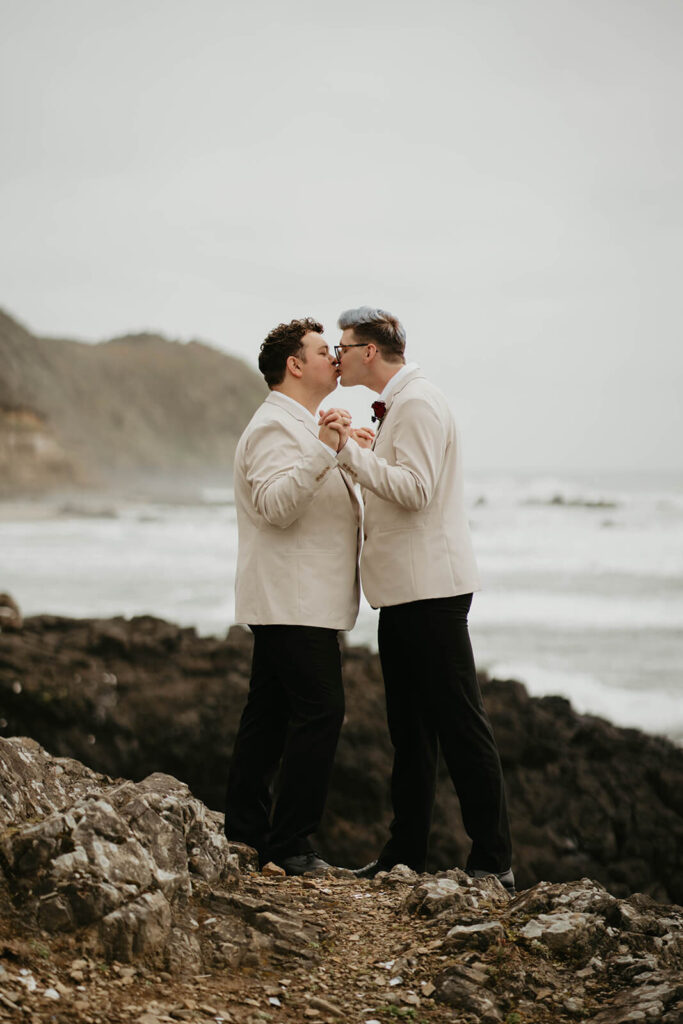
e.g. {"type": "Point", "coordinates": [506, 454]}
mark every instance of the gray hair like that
{"type": "Point", "coordinates": [371, 315]}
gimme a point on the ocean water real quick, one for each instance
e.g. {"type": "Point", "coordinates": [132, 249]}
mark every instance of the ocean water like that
{"type": "Point", "coordinates": [582, 580]}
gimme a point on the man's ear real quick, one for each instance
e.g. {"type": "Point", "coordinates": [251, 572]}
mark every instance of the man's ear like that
{"type": "Point", "coordinates": [294, 366]}
{"type": "Point", "coordinates": [370, 352]}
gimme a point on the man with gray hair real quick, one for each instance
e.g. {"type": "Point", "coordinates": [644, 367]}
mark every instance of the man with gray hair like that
{"type": "Point", "coordinates": [418, 568]}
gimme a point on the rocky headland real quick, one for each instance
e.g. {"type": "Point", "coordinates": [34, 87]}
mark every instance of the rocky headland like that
{"type": "Point", "coordinates": [137, 412]}
{"type": "Point", "coordinates": [137, 697]}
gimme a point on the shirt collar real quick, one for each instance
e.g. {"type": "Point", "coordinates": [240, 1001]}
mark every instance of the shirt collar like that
{"type": "Point", "coordinates": [391, 384]}
{"type": "Point", "coordinates": [301, 409]}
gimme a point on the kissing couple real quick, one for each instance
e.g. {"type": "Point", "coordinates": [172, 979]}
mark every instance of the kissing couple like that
{"type": "Point", "coordinates": [305, 543]}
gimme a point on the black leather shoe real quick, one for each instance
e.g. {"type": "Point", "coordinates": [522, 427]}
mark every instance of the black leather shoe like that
{"type": "Point", "coordinates": [506, 878]}
{"type": "Point", "coordinates": [371, 869]}
{"type": "Point", "coordinates": [305, 864]}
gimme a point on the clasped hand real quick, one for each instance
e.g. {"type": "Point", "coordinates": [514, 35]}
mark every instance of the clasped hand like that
{"type": "Point", "coordinates": [335, 429]}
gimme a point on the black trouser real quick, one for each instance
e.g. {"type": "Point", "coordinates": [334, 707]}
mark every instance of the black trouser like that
{"type": "Point", "coordinates": [294, 712]}
{"type": "Point", "coordinates": [433, 698]}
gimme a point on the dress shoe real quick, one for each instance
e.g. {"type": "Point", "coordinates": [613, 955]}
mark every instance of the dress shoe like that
{"type": "Point", "coordinates": [371, 869]}
{"type": "Point", "coordinates": [506, 878]}
{"type": "Point", "coordinates": [310, 863]}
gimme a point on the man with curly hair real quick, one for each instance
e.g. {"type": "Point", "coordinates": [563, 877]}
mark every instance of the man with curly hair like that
{"type": "Point", "coordinates": [298, 521]}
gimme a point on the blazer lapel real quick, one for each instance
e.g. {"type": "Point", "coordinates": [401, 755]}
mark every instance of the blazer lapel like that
{"type": "Point", "coordinates": [413, 375]}
{"type": "Point", "coordinates": [293, 409]}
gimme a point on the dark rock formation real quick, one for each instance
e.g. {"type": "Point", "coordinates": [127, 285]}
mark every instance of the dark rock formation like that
{"type": "Point", "coordinates": [139, 410]}
{"type": "Point", "coordinates": [143, 696]}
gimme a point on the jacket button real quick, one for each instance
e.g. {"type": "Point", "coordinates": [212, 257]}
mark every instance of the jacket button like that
{"type": "Point", "coordinates": [365, 536]}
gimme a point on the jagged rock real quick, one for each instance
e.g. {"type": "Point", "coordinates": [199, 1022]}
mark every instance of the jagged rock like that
{"type": "Point", "coordinates": [453, 894]}
{"type": "Point", "coordinates": [552, 938]}
{"type": "Point", "coordinates": [137, 928]}
{"type": "Point", "coordinates": [582, 896]}
{"type": "Point", "coordinates": [659, 1001]}
{"type": "Point", "coordinates": [270, 918]}
{"type": "Point", "coordinates": [78, 850]}
{"type": "Point", "coordinates": [564, 932]}
{"type": "Point", "coordinates": [104, 852]}
{"type": "Point", "coordinates": [475, 936]}
{"type": "Point", "coordinates": [567, 920]}
{"type": "Point", "coordinates": [462, 988]}
{"type": "Point", "coordinates": [582, 919]}
{"type": "Point", "coordinates": [435, 895]}
{"type": "Point", "coordinates": [34, 784]}
{"type": "Point", "coordinates": [282, 927]}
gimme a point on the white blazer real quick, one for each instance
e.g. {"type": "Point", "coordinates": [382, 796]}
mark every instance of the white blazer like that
{"type": "Point", "coordinates": [417, 541]}
{"type": "Point", "coordinates": [298, 521]}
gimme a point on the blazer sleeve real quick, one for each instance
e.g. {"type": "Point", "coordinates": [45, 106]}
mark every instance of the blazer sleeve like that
{"type": "Point", "coordinates": [419, 442]}
{"type": "Point", "coordinates": [284, 477]}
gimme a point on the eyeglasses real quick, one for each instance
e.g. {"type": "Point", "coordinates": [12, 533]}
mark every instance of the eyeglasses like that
{"type": "Point", "coordinates": [340, 349]}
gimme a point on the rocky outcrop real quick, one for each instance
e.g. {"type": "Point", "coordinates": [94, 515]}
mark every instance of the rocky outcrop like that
{"type": "Point", "coordinates": [570, 947]}
{"type": "Point", "coordinates": [123, 901]}
{"type": "Point", "coordinates": [127, 866]}
{"type": "Point", "coordinates": [566, 951]}
{"type": "Point", "coordinates": [144, 696]}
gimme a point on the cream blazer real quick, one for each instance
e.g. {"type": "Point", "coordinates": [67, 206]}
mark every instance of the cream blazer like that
{"type": "Point", "coordinates": [298, 521]}
{"type": "Point", "coordinates": [417, 541]}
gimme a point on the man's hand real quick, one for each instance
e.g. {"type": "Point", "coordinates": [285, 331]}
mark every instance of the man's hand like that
{"type": "Point", "coordinates": [334, 427]}
{"type": "Point", "coordinates": [363, 436]}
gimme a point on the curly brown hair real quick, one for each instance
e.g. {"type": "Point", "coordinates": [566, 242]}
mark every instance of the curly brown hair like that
{"type": "Point", "coordinates": [284, 341]}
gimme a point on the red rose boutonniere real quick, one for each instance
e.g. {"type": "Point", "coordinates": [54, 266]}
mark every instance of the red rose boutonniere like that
{"type": "Point", "coordinates": [379, 409]}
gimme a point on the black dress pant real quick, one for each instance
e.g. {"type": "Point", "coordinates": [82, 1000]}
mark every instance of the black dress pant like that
{"type": "Point", "coordinates": [433, 698]}
{"type": "Point", "coordinates": [293, 715]}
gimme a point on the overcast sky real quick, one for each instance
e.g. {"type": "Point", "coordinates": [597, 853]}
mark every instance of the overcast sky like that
{"type": "Point", "coordinates": [504, 175]}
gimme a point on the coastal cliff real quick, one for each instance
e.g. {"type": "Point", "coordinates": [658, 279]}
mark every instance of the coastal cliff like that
{"type": "Point", "coordinates": [138, 410]}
